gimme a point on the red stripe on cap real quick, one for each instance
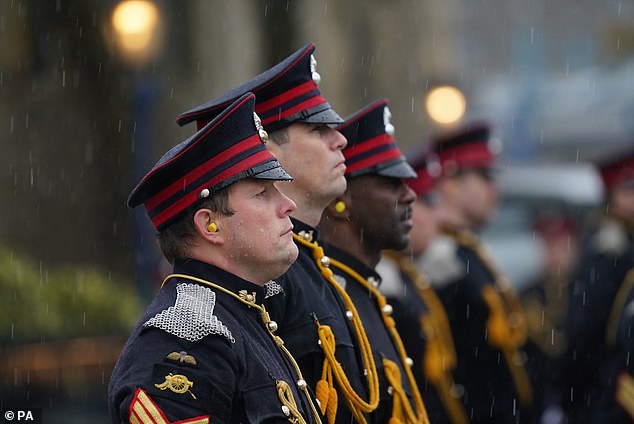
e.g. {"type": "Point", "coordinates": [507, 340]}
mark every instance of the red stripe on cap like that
{"type": "Point", "coordinates": [191, 197]}
{"type": "Point", "coordinates": [265, 106]}
{"type": "Point", "coordinates": [373, 160]}
{"type": "Point", "coordinates": [365, 145]}
{"type": "Point", "coordinates": [423, 183]}
{"type": "Point", "coordinates": [203, 168]}
{"type": "Point", "coordinates": [306, 104]}
{"type": "Point", "coordinates": [472, 155]}
{"type": "Point", "coordinates": [616, 173]}
{"type": "Point", "coordinates": [227, 113]}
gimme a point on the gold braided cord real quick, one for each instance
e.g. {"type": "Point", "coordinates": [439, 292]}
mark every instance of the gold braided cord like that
{"type": "Point", "coordinates": [357, 405]}
{"type": "Point", "coordinates": [515, 316]}
{"type": "Point", "coordinates": [617, 307]}
{"type": "Point", "coordinates": [625, 393]}
{"type": "Point", "coordinates": [264, 315]}
{"type": "Point", "coordinates": [440, 354]}
{"type": "Point", "coordinates": [286, 397]}
{"type": "Point", "coordinates": [421, 413]}
{"type": "Point", "coordinates": [507, 327]}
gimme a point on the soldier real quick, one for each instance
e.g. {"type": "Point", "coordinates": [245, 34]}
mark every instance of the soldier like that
{"type": "Point", "coordinates": [321, 326]}
{"type": "Point", "coordinates": [545, 302]}
{"type": "Point", "coordinates": [374, 214]}
{"type": "Point", "coordinates": [618, 407]}
{"type": "Point", "coordinates": [486, 319]}
{"type": "Point", "coordinates": [607, 254]}
{"type": "Point", "coordinates": [418, 312]}
{"type": "Point", "coordinates": [205, 349]}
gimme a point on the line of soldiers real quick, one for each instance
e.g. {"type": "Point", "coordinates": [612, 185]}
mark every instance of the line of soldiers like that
{"type": "Point", "coordinates": [321, 276]}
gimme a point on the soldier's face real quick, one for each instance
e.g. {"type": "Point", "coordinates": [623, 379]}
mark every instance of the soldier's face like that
{"type": "Point", "coordinates": [425, 226]}
{"type": "Point", "coordinates": [258, 236]}
{"type": "Point", "coordinates": [622, 199]}
{"type": "Point", "coordinates": [313, 157]}
{"type": "Point", "coordinates": [478, 197]}
{"type": "Point", "coordinates": [381, 211]}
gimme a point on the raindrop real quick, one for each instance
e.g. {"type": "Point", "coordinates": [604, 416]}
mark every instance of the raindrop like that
{"type": "Point", "coordinates": [83, 324]}
{"type": "Point", "coordinates": [26, 121]}
{"type": "Point", "coordinates": [412, 104]}
{"type": "Point", "coordinates": [532, 35]}
{"type": "Point", "coordinates": [64, 78]}
{"type": "Point", "coordinates": [11, 124]}
{"type": "Point", "coordinates": [119, 126]}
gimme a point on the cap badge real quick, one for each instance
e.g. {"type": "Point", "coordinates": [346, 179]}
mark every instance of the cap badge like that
{"type": "Point", "coordinates": [176, 383]}
{"type": "Point", "coordinates": [264, 136]}
{"type": "Point", "coordinates": [387, 117]}
{"type": "Point", "coordinates": [313, 70]}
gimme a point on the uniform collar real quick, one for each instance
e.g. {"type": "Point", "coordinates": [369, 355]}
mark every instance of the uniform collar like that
{"type": "Point", "coordinates": [354, 263]}
{"type": "Point", "coordinates": [301, 228]}
{"type": "Point", "coordinates": [218, 276]}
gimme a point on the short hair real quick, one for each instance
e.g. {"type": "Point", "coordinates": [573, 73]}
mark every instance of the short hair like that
{"type": "Point", "coordinates": [280, 136]}
{"type": "Point", "coordinates": [176, 239]}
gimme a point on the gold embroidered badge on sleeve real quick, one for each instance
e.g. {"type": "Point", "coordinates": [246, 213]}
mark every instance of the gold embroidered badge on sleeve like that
{"type": "Point", "coordinates": [177, 383]}
{"type": "Point", "coordinates": [144, 411]}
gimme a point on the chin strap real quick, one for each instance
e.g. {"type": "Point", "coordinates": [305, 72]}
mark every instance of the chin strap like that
{"type": "Point", "coordinates": [439, 359]}
{"type": "Point", "coordinates": [285, 394]}
{"type": "Point", "coordinates": [332, 370]}
{"type": "Point", "coordinates": [402, 409]}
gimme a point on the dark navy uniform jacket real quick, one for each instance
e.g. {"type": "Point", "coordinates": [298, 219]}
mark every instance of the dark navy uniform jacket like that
{"type": "Point", "coordinates": [308, 296]}
{"type": "Point", "coordinates": [370, 315]}
{"type": "Point", "coordinates": [607, 253]}
{"type": "Point", "coordinates": [409, 308]}
{"type": "Point", "coordinates": [198, 352]}
{"type": "Point", "coordinates": [459, 275]}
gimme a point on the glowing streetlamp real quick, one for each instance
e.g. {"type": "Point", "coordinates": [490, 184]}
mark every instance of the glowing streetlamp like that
{"type": "Point", "coordinates": [136, 31]}
{"type": "Point", "coordinates": [445, 105]}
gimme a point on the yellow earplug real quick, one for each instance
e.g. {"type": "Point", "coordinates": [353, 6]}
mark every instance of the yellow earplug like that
{"type": "Point", "coordinates": [340, 206]}
{"type": "Point", "coordinates": [212, 227]}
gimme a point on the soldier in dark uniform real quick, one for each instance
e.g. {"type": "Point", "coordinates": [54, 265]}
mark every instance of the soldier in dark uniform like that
{"type": "Point", "coordinates": [545, 302]}
{"type": "Point", "coordinates": [607, 254]}
{"type": "Point", "coordinates": [487, 322]}
{"type": "Point", "coordinates": [320, 324]}
{"type": "Point", "coordinates": [205, 349]}
{"type": "Point", "coordinates": [418, 312]}
{"type": "Point", "coordinates": [618, 407]}
{"type": "Point", "coordinates": [374, 214]}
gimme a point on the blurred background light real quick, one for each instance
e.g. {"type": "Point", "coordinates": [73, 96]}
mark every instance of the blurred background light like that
{"type": "Point", "coordinates": [136, 31]}
{"type": "Point", "coordinates": [445, 105]}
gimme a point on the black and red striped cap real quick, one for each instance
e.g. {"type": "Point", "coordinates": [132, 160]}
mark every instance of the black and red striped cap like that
{"type": "Point", "coordinates": [371, 145]}
{"type": "Point", "coordinates": [228, 149]}
{"type": "Point", "coordinates": [427, 169]}
{"type": "Point", "coordinates": [286, 93]}
{"type": "Point", "coordinates": [616, 166]}
{"type": "Point", "coordinates": [467, 147]}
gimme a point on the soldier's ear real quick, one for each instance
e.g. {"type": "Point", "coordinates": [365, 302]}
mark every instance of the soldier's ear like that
{"type": "Point", "coordinates": [339, 208]}
{"type": "Point", "coordinates": [208, 226]}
